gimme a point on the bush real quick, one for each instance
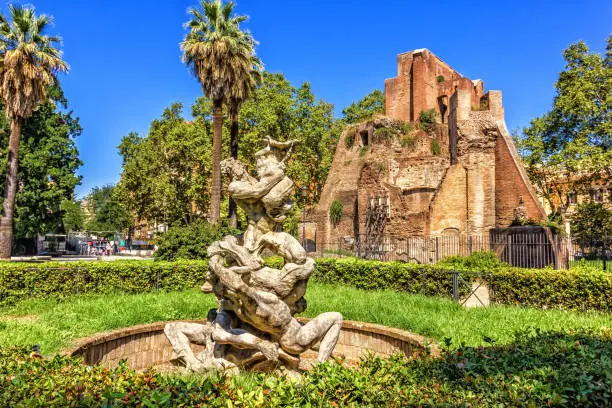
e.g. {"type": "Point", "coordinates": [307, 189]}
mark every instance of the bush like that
{"type": "Point", "coordinates": [335, 212]}
{"type": "Point", "coordinates": [537, 369]}
{"type": "Point", "coordinates": [478, 261]}
{"type": "Point", "coordinates": [578, 289]}
{"type": "Point", "coordinates": [59, 280]}
{"type": "Point", "coordinates": [435, 147]}
{"type": "Point", "coordinates": [427, 120]}
{"type": "Point", "coordinates": [189, 242]}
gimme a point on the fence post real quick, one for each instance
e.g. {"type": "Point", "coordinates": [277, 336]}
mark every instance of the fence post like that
{"type": "Point", "coordinates": [470, 244]}
{"type": "Point", "coordinates": [437, 251]}
{"type": "Point", "coordinates": [556, 254]}
{"type": "Point", "coordinates": [456, 286]}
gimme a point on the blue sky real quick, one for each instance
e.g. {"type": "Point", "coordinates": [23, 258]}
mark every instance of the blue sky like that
{"type": "Point", "coordinates": [126, 66]}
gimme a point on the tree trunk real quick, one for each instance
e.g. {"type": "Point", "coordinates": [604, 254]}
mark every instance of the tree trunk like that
{"type": "Point", "coordinates": [10, 191]}
{"type": "Point", "coordinates": [215, 193]}
{"type": "Point", "coordinates": [233, 209]}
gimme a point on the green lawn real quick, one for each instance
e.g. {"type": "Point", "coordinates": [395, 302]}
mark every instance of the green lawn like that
{"type": "Point", "coordinates": [54, 324]}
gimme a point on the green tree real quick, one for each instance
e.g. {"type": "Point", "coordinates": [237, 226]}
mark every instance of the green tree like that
{"type": "Point", "coordinates": [48, 162]}
{"type": "Point", "coordinates": [73, 218]}
{"type": "Point", "coordinates": [373, 103]}
{"type": "Point", "coordinates": [166, 175]}
{"type": "Point", "coordinates": [591, 225]}
{"type": "Point", "coordinates": [29, 64]}
{"type": "Point", "coordinates": [220, 55]}
{"type": "Point", "coordinates": [108, 210]}
{"type": "Point", "coordinates": [567, 150]}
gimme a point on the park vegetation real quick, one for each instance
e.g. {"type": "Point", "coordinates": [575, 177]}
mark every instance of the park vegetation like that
{"type": "Point", "coordinates": [30, 61]}
{"type": "Point", "coordinates": [568, 150]}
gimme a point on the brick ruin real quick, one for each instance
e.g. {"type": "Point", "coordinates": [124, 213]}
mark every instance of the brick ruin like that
{"type": "Point", "coordinates": [460, 175]}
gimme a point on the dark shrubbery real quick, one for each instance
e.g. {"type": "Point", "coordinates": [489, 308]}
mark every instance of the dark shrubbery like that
{"type": "Point", "coordinates": [537, 369]}
{"type": "Point", "coordinates": [189, 242]}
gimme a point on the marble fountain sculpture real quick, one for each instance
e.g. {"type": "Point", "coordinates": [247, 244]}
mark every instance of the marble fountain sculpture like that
{"type": "Point", "coordinates": [254, 325]}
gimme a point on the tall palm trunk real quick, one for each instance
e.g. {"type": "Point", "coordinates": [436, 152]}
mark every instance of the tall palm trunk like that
{"type": "Point", "coordinates": [215, 193]}
{"type": "Point", "coordinates": [10, 191]}
{"type": "Point", "coordinates": [233, 214]}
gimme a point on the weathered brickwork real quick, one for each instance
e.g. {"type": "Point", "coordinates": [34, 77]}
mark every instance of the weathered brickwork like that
{"type": "Point", "coordinates": [462, 177]}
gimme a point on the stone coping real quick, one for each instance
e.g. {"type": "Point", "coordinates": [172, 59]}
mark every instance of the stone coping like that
{"type": "Point", "coordinates": [422, 342]}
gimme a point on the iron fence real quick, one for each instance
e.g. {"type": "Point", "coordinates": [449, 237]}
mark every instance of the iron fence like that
{"type": "Point", "coordinates": [538, 249]}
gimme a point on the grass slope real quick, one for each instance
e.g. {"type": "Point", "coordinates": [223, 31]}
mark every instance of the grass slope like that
{"type": "Point", "coordinates": [54, 324]}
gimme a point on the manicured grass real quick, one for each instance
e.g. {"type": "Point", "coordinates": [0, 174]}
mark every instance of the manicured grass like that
{"type": "Point", "coordinates": [54, 324]}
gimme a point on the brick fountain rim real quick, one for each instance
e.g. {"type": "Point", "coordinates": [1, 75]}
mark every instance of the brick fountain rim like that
{"type": "Point", "coordinates": [381, 340]}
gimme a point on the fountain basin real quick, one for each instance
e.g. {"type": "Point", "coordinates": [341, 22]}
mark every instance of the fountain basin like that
{"type": "Point", "coordinates": [146, 346]}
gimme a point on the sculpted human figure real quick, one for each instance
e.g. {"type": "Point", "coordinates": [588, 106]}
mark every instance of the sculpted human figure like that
{"type": "Point", "coordinates": [256, 302]}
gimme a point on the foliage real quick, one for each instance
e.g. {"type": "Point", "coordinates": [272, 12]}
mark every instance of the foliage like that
{"type": "Point", "coordinates": [427, 120]}
{"type": "Point", "coordinates": [578, 288]}
{"type": "Point", "coordinates": [189, 242]}
{"type": "Point", "coordinates": [537, 369]}
{"type": "Point", "coordinates": [349, 140]}
{"type": "Point", "coordinates": [108, 210]}
{"type": "Point", "coordinates": [408, 142]}
{"type": "Point", "coordinates": [440, 78]}
{"type": "Point", "coordinates": [477, 261]}
{"type": "Point", "coordinates": [30, 62]}
{"type": "Point", "coordinates": [592, 225]}
{"type": "Point", "coordinates": [568, 150]}
{"type": "Point", "coordinates": [166, 175]}
{"type": "Point", "coordinates": [60, 280]}
{"type": "Point", "coordinates": [73, 218]}
{"type": "Point", "coordinates": [435, 147]}
{"type": "Point", "coordinates": [48, 163]}
{"type": "Point", "coordinates": [335, 212]}
{"type": "Point", "coordinates": [371, 104]}
{"type": "Point", "coordinates": [364, 150]}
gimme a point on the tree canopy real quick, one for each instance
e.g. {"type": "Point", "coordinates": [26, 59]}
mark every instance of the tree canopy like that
{"type": "Point", "coordinates": [567, 150]}
{"type": "Point", "coordinates": [48, 165]}
{"type": "Point", "coordinates": [371, 104]}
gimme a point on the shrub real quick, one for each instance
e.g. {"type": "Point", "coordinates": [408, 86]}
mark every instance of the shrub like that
{"type": "Point", "coordinates": [60, 280]}
{"type": "Point", "coordinates": [335, 212]}
{"type": "Point", "coordinates": [408, 142]}
{"type": "Point", "coordinates": [537, 369]}
{"type": "Point", "coordinates": [363, 150]}
{"type": "Point", "coordinates": [578, 288]}
{"type": "Point", "coordinates": [405, 127]}
{"type": "Point", "coordinates": [435, 147]}
{"type": "Point", "coordinates": [349, 140]}
{"type": "Point", "coordinates": [440, 78]}
{"type": "Point", "coordinates": [479, 261]}
{"type": "Point", "coordinates": [427, 120]}
{"type": "Point", "coordinates": [189, 242]}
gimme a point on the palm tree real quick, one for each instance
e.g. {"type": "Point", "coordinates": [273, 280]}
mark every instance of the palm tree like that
{"type": "Point", "coordinates": [29, 64]}
{"type": "Point", "coordinates": [243, 86]}
{"type": "Point", "coordinates": [218, 52]}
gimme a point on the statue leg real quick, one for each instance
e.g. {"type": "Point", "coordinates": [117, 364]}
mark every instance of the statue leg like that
{"type": "Point", "coordinates": [181, 335]}
{"type": "Point", "coordinates": [243, 339]}
{"type": "Point", "coordinates": [325, 328]}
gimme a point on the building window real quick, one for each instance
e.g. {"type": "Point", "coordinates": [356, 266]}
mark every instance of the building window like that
{"type": "Point", "coordinates": [571, 198]}
{"type": "Point", "coordinates": [596, 196]}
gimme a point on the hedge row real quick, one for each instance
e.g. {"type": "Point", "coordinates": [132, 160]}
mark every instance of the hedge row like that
{"type": "Point", "coordinates": [581, 289]}
{"type": "Point", "coordinates": [577, 289]}
{"type": "Point", "coordinates": [538, 369]}
{"type": "Point", "coordinates": [58, 280]}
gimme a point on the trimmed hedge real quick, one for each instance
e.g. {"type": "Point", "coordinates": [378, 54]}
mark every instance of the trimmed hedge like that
{"type": "Point", "coordinates": [579, 289]}
{"type": "Point", "coordinates": [62, 279]}
{"type": "Point", "coordinates": [538, 369]}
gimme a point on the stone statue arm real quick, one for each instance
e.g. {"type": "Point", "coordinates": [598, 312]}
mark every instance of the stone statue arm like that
{"type": "Point", "coordinates": [243, 190]}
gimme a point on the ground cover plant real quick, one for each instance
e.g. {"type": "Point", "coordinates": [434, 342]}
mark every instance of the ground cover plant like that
{"type": "Point", "coordinates": [54, 324]}
{"type": "Point", "coordinates": [535, 369]}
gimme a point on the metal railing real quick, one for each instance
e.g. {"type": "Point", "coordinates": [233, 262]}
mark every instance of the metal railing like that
{"type": "Point", "coordinates": [538, 249]}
